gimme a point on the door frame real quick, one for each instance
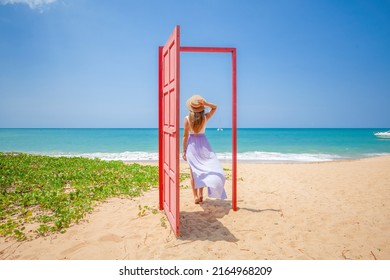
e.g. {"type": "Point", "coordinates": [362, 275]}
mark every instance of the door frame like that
{"type": "Point", "coordinates": [176, 224]}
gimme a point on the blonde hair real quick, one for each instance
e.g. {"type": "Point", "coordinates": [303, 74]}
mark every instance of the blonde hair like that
{"type": "Point", "coordinates": [197, 120]}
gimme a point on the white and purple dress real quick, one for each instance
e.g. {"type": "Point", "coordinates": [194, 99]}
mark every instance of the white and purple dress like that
{"type": "Point", "coordinates": [205, 167]}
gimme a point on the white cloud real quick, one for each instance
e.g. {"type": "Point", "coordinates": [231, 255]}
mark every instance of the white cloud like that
{"type": "Point", "coordinates": [33, 4]}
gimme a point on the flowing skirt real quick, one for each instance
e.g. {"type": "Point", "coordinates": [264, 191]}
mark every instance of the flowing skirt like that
{"type": "Point", "coordinates": [205, 167]}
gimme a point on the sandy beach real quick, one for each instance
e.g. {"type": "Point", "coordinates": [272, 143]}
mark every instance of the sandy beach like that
{"type": "Point", "coordinates": [333, 210]}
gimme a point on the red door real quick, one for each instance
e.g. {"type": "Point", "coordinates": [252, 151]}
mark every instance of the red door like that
{"type": "Point", "coordinates": [169, 129]}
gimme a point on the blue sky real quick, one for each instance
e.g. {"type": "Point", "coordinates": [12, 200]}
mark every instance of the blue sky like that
{"type": "Point", "coordinates": [303, 63]}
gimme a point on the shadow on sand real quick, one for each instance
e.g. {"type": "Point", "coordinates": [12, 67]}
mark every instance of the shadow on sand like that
{"type": "Point", "coordinates": [204, 225]}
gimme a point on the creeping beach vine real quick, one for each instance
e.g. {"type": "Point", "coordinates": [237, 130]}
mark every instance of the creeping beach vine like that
{"type": "Point", "coordinates": [51, 193]}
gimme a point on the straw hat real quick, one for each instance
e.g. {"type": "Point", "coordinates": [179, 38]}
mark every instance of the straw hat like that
{"type": "Point", "coordinates": [194, 105]}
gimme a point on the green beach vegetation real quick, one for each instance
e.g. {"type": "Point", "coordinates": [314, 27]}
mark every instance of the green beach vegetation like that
{"type": "Point", "coordinates": [42, 194]}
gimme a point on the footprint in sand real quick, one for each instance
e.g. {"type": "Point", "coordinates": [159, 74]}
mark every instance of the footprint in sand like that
{"type": "Point", "coordinates": [73, 249]}
{"type": "Point", "coordinates": [111, 237]}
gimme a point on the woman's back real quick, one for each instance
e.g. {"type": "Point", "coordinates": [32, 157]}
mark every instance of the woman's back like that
{"type": "Point", "coordinates": [201, 131]}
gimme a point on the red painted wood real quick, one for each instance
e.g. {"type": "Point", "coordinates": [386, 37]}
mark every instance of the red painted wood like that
{"type": "Point", "coordinates": [234, 130]}
{"type": "Point", "coordinates": [206, 49]}
{"type": "Point", "coordinates": [234, 109]}
{"type": "Point", "coordinates": [160, 131]}
{"type": "Point", "coordinates": [169, 128]}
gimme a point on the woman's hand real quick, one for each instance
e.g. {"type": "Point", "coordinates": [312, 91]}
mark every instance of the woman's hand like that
{"type": "Point", "coordinates": [184, 156]}
{"type": "Point", "coordinates": [202, 101]}
{"type": "Point", "coordinates": [208, 104]}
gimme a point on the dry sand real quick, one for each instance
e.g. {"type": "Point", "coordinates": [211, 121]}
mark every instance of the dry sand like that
{"type": "Point", "coordinates": [333, 210]}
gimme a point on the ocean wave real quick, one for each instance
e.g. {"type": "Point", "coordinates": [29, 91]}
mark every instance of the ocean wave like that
{"type": "Point", "coordinates": [281, 157]}
{"type": "Point", "coordinates": [246, 156]}
{"type": "Point", "coordinates": [376, 154]}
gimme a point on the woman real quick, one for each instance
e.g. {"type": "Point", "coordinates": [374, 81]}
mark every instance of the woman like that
{"type": "Point", "coordinates": [206, 170]}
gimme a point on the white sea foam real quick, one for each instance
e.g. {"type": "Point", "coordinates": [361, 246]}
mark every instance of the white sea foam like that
{"type": "Point", "coordinates": [376, 154]}
{"type": "Point", "coordinates": [247, 156]}
{"type": "Point", "coordinates": [280, 157]}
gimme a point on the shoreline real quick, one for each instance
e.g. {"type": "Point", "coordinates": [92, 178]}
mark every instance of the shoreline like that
{"type": "Point", "coordinates": [244, 157]}
{"type": "Point", "coordinates": [239, 162]}
{"type": "Point", "coordinates": [323, 211]}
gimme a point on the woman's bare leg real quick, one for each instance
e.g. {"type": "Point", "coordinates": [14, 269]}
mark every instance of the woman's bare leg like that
{"type": "Point", "coordinates": [201, 194]}
{"type": "Point", "coordinates": [194, 191]}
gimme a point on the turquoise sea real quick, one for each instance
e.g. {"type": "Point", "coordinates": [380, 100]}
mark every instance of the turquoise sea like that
{"type": "Point", "coordinates": [254, 144]}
